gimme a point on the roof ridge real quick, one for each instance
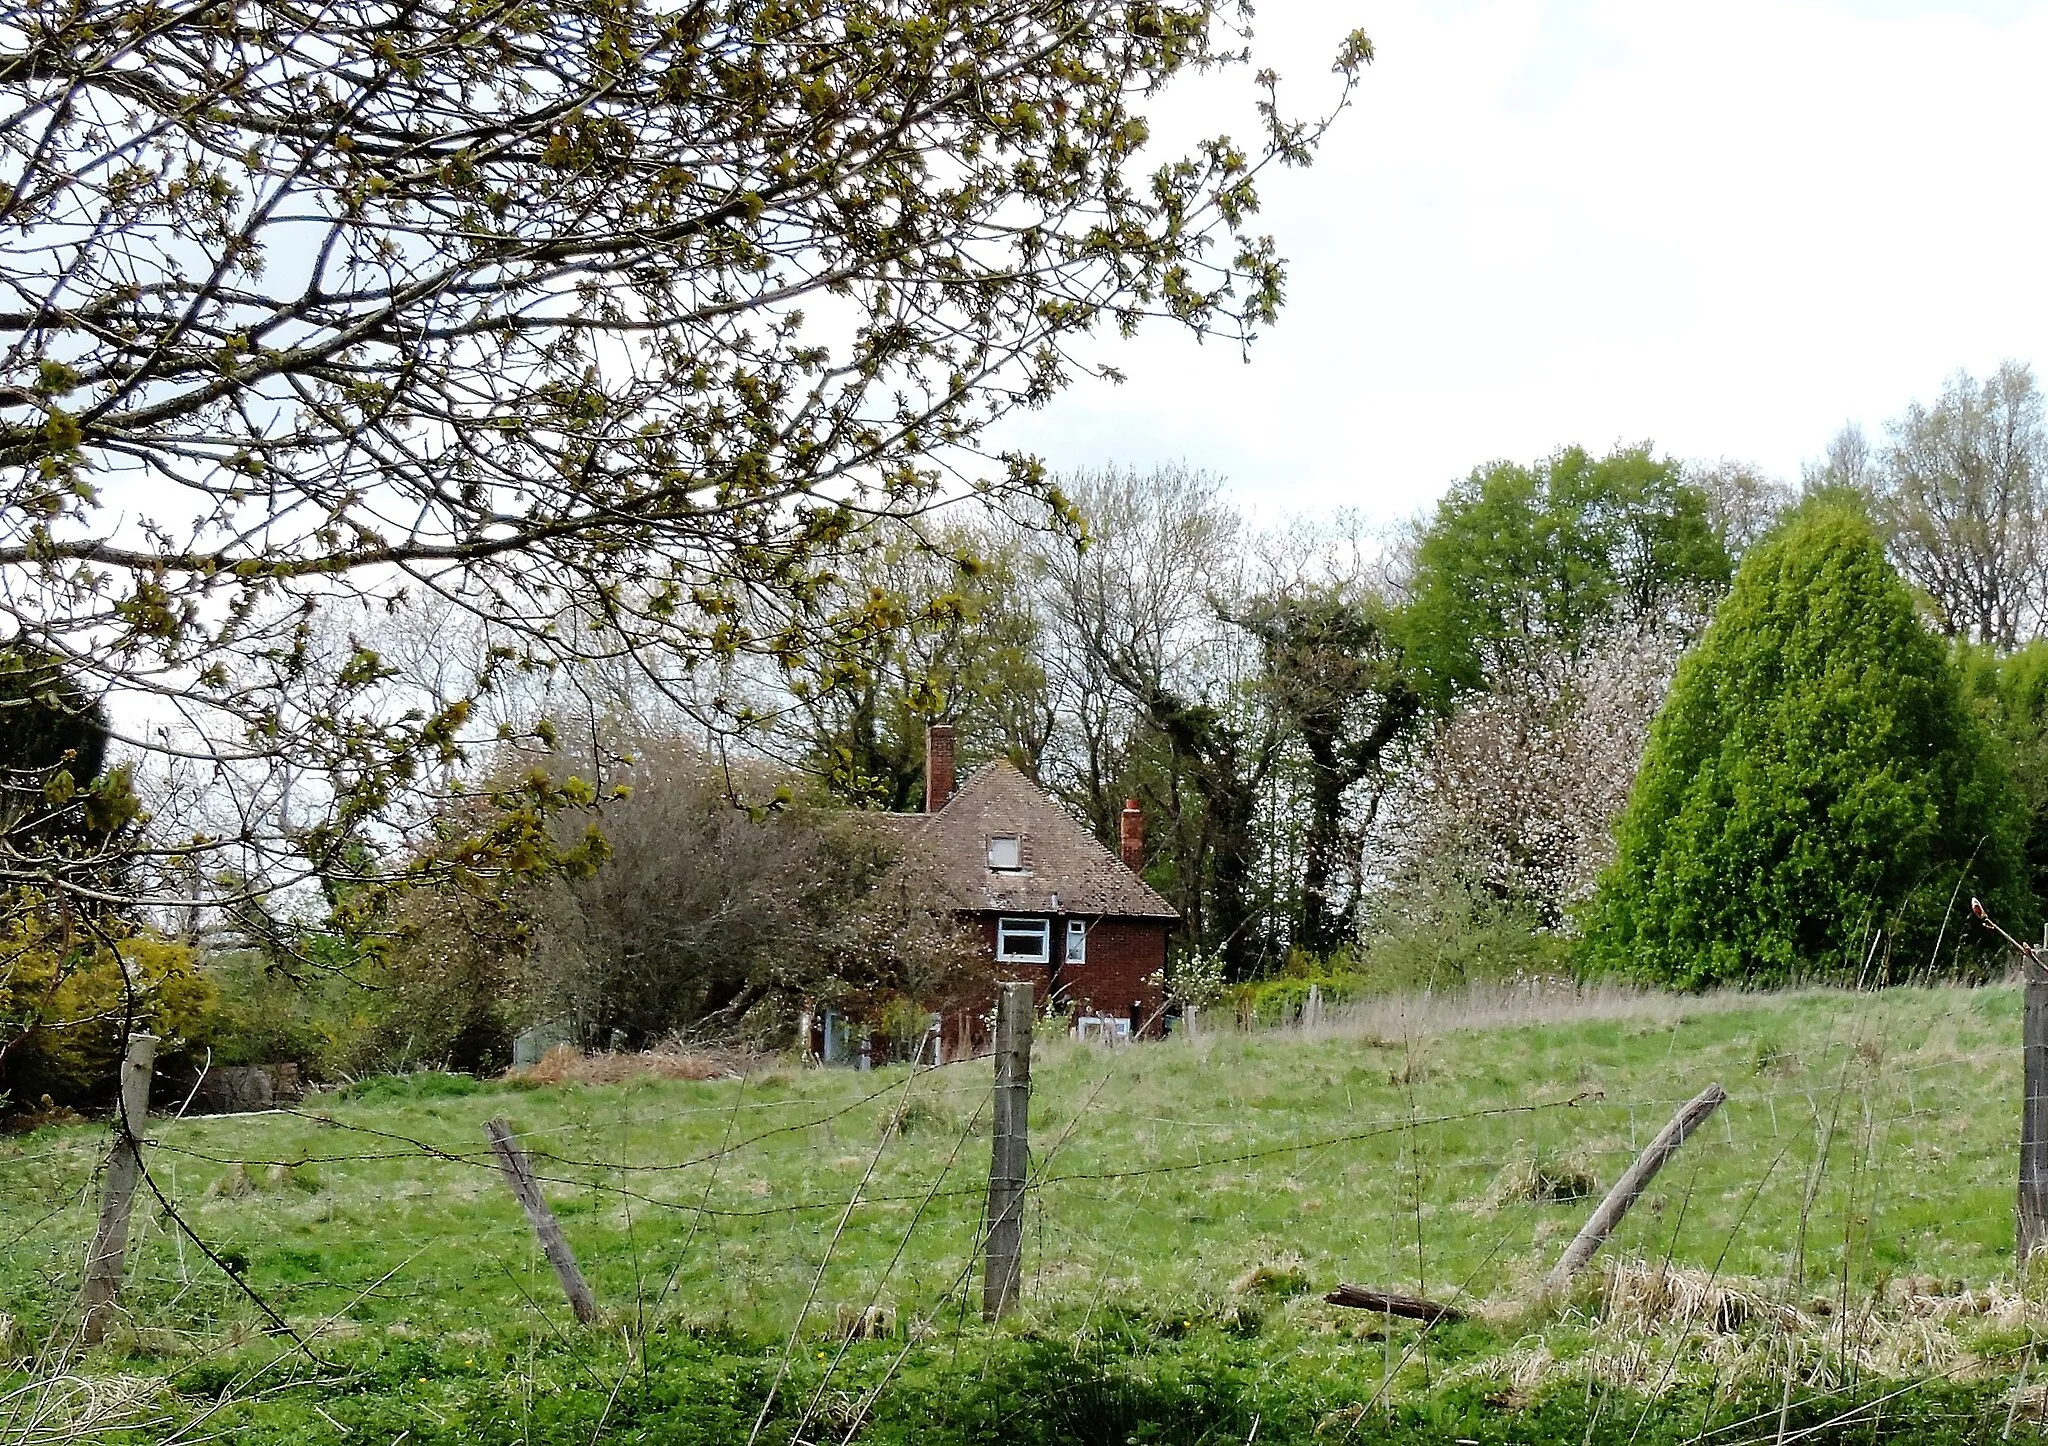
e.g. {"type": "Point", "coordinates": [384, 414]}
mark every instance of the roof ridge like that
{"type": "Point", "coordinates": [1091, 876]}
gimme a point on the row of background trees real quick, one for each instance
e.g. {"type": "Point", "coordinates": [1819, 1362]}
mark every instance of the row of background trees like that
{"type": "Point", "coordinates": [1403, 755]}
{"type": "Point", "coordinates": [1342, 733]}
{"type": "Point", "coordinates": [461, 514]}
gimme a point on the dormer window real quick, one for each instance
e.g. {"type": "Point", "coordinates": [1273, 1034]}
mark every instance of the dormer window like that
{"type": "Point", "coordinates": [1005, 851]}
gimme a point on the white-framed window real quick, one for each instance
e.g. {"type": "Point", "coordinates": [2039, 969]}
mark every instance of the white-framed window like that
{"type": "Point", "coordinates": [1077, 942]}
{"type": "Point", "coordinates": [1005, 851]}
{"type": "Point", "coordinates": [1024, 941]}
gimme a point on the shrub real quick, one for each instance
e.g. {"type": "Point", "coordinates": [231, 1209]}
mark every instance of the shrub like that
{"type": "Point", "coordinates": [65, 1004]}
{"type": "Point", "coordinates": [318, 1017]}
{"type": "Point", "coordinates": [1814, 778]}
{"type": "Point", "coordinates": [704, 918]}
{"type": "Point", "coordinates": [1438, 930]}
{"type": "Point", "coordinates": [2011, 694]}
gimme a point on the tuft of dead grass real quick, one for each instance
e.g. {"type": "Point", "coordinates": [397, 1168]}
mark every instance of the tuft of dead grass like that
{"type": "Point", "coordinates": [1534, 1180]}
{"type": "Point", "coordinates": [232, 1183]}
{"type": "Point", "coordinates": [565, 1064]}
{"type": "Point", "coordinates": [1283, 1276]}
{"type": "Point", "coordinates": [865, 1323]}
{"type": "Point", "coordinates": [1645, 1295]}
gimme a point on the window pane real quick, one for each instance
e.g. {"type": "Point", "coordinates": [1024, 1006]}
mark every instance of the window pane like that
{"type": "Point", "coordinates": [1024, 941]}
{"type": "Point", "coordinates": [1077, 941]}
{"type": "Point", "coordinates": [1003, 852]}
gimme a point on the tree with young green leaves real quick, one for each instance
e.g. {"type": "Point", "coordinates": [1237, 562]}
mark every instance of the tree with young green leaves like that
{"type": "Point", "coordinates": [1817, 800]}
{"type": "Point", "coordinates": [1523, 564]}
{"type": "Point", "coordinates": [1333, 677]}
{"type": "Point", "coordinates": [611, 326]}
{"type": "Point", "coordinates": [937, 627]}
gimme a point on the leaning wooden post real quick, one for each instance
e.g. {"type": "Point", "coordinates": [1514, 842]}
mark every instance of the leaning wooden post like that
{"type": "Point", "coordinates": [1634, 1182]}
{"type": "Point", "coordinates": [518, 1172]}
{"type": "Point", "coordinates": [1010, 1158]}
{"type": "Point", "coordinates": [103, 1266]}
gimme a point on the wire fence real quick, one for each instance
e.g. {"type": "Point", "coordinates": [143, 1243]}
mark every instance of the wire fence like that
{"type": "Point", "coordinates": [1867, 1139]}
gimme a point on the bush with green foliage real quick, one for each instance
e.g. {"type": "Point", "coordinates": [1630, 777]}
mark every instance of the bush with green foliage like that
{"type": "Point", "coordinates": [1439, 930]}
{"type": "Point", "coordinates": [67, 998]}
{"type": "Point", "coordinates": [2010, 693]}
{"type": "Point", "coordinates": [320, 1011]}
{"type": "Point", "coordinates": [1817, 799]}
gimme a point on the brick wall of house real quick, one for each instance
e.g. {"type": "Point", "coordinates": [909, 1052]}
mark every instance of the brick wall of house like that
{"type": "Point", "coordinates": [1123, 955]}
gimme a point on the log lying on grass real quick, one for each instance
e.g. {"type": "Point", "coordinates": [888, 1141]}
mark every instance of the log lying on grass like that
{"type": "Point", "coordinates": [1360, 1297]}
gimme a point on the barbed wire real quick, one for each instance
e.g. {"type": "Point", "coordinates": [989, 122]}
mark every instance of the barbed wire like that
{"type": "Point", "coordinates": [1878, 1118]}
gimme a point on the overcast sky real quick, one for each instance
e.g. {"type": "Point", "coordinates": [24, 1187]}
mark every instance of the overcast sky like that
{"type": "Point", "coordinates": [1727, 228]}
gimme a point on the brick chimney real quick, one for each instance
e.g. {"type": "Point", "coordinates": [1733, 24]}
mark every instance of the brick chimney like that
{"type": "Point", "coordinates": [938, 766]}
{"type": "Point", "coordinates": [1132, 836]}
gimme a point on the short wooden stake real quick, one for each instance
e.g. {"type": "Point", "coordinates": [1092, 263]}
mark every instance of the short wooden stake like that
{"type": "Point", "coordinates": [103, 1267]}
{"type": "Point", "coordinates": [1010, 1158]}
{"type": "Point", "coordinates": [1605, 1219]}
{"type": "Point", "coordinates": [525, 1189]}
{"type": "Point", "coordinates": [2033, 1195]}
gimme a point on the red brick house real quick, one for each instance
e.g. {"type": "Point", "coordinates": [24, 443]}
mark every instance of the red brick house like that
{"type": "Point", "coordinates": [1052, 904]}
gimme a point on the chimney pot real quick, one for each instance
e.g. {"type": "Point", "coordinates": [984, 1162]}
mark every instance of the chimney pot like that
{"type": "Point", "coordinates": [1132, 836]}
{"type": "Point", "coordinates": [938, 766]}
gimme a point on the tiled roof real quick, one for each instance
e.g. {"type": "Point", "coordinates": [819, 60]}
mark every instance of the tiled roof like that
{"type": "Point", "coordinates": [1065, 870]}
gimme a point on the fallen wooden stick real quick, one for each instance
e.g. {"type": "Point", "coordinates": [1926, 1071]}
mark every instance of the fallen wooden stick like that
{"type": "Point", "coordinates": [1360, 1297]}
{"type": "Point", "coordinates": [1607, 1217]}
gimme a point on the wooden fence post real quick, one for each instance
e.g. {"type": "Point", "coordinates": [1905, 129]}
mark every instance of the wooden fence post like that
{"type": "Point", "coordinates": [1604, 1220]}
{"type": "Point", "coordinates": [117, 1193]}
{"type": "Point", "coordinates": [518, 1172]}
{"type": "Point", "coordinates": [1002, 1259]}
{"type": "Point", "coordinates": [2033, 1201]}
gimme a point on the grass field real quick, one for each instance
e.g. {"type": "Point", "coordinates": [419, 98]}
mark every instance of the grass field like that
{"type": "Point", "coordinates": [1847, 1214]}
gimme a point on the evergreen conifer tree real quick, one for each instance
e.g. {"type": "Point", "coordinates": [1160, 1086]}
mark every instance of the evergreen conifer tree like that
{"type": "Point", "coordinates": [1814, 778]}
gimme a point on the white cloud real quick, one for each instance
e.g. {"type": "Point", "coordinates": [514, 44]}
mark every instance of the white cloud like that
{"type": "Point", "coordinates": [1726, 228]}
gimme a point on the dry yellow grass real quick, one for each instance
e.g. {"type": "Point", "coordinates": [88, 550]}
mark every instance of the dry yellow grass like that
{"type": "Point", "coordinates": [565, 1064]}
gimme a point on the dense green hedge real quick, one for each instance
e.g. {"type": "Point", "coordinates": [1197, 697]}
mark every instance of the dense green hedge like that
{"type": "Point", "coordinates": [1815, 777]}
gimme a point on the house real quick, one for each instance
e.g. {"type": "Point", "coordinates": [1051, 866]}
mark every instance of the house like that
{"type": "Point", "coordinates": [1052, 904]}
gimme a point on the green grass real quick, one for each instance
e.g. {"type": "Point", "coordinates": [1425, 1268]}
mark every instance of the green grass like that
{"type": "Point", "coordinates": [1196, 1200]}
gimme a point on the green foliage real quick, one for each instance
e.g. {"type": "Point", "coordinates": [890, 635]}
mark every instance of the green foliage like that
{"type": "Point", "coordinates": [1333, 674]}
{"type": "Point", "coordinates": [1814, 777]}
{"type": "Point", "coordinates": [2010, 693]}
{"type": "Point", "coordinates": [1438, 934]}
{"type": "Point", "coordinates": [317, 1011]}
{"type": "Point", "coordinates": [1523, 561]}
{"type": "Point", "coordinates": [68, 998]}
{"type": "Point", "coordinates": [1444, 933]}
{"type": "Point", "coordinates": [46, 720]}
